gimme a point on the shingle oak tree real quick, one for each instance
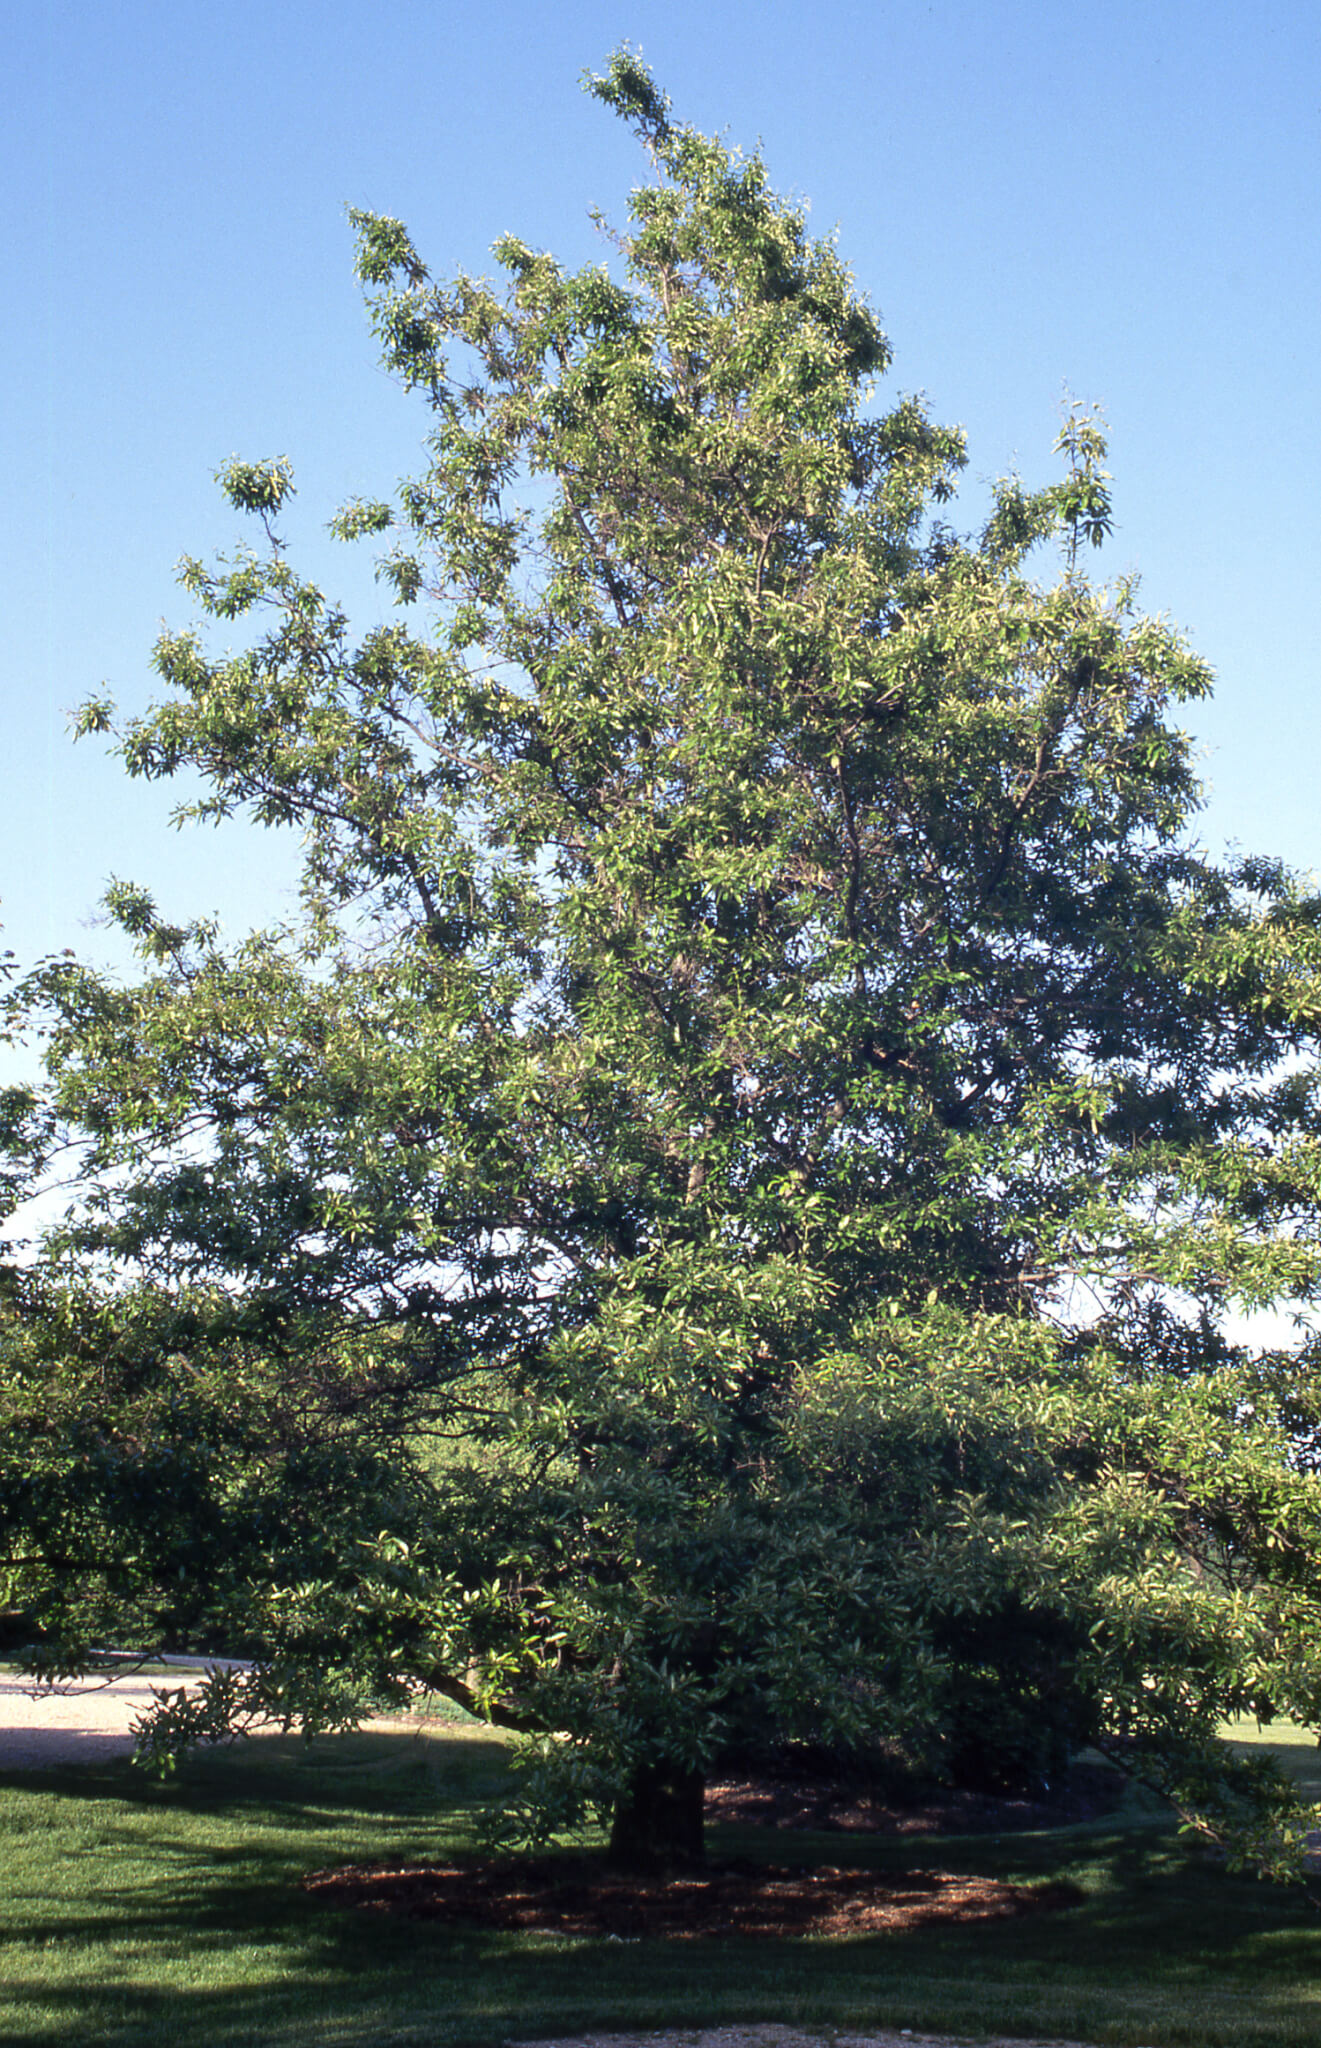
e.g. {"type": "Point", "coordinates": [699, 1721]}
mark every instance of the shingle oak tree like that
{"type": "Point", "coordinates": [715, 1230]}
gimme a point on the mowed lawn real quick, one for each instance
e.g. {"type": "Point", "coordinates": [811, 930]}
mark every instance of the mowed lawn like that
{"type": "Point", "coordinates": [135, 1911]}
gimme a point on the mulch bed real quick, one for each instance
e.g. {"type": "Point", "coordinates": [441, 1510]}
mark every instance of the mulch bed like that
{"type": "Point", "coordinates": [789, 1797]}
{"type": "Point", "coordinates": [584, 1898]}
{"type": "Point", "coordinates": [581, 1896]}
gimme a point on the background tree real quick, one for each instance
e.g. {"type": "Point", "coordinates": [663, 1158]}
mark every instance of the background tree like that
{"type": "Point", "coordinates": [743, 1162]}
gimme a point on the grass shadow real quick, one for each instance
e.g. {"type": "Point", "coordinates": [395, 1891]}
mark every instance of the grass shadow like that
{"type": "Point", "coordinates": [173, 1914]}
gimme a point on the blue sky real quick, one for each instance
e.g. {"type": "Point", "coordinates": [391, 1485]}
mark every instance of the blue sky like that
{"type": "Point", "coordinates": [1122, 200]}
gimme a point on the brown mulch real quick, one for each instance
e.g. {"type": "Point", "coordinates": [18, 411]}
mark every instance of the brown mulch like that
{"type": "Point", "coordinates": [584, 1898]}
{"type": "Point", "coordinates": [789, 1797]}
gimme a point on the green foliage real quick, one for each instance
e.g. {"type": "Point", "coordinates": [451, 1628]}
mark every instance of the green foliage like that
{"type": "Point", "coordinates": [256, 486]}
{"type": "Point", "coordinates": [717, 1227]}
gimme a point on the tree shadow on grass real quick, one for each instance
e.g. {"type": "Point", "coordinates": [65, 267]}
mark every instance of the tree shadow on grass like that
{"type": "Point", "coordinates": [341, 1978]}
{"type": "Point", "coordinates": [342, 1777]}
{"type": "Point", "coordinates": [175, 1914]}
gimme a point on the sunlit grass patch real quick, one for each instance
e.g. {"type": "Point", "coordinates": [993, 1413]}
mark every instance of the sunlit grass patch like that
{"type": "Point", "coordinates": [1295, 1749]}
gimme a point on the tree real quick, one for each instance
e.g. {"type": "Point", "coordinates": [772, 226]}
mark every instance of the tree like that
{"type": "Point", "coordinates": [728, 1198]}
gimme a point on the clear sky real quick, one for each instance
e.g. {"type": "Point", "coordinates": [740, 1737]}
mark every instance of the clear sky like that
{"type": "Point", "coordinates": [1123, 199]}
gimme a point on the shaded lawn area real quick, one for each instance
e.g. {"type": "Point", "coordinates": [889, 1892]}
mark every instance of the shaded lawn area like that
{"type": "Point", "coordinates": [173, 1914]}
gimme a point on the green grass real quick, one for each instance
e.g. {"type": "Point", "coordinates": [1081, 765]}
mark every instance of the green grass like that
{"type": "Point", "coordinates": [1295, 1749]}
{"type": "Point", "coordinates": [135, 1912]}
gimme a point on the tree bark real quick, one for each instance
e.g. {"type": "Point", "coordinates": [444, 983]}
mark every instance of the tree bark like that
{"type": "Point", "coordinates": [657, 1822]}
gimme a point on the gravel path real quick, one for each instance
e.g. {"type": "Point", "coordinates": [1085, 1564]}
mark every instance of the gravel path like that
{"type": "Point", "coordinates": [88, 1720]}
{"type": "Point", "coordinates": [83, 1722]}
{"type": "Point", "coordinates": [787, 2037]}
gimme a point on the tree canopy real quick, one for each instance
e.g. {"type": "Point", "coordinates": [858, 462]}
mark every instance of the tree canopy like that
{"type": "Point", "coordinates": [716, 1226]}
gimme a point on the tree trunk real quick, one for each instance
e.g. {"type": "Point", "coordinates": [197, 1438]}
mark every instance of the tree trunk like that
{"type": "Point", "coordinates": [658, 1821]}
